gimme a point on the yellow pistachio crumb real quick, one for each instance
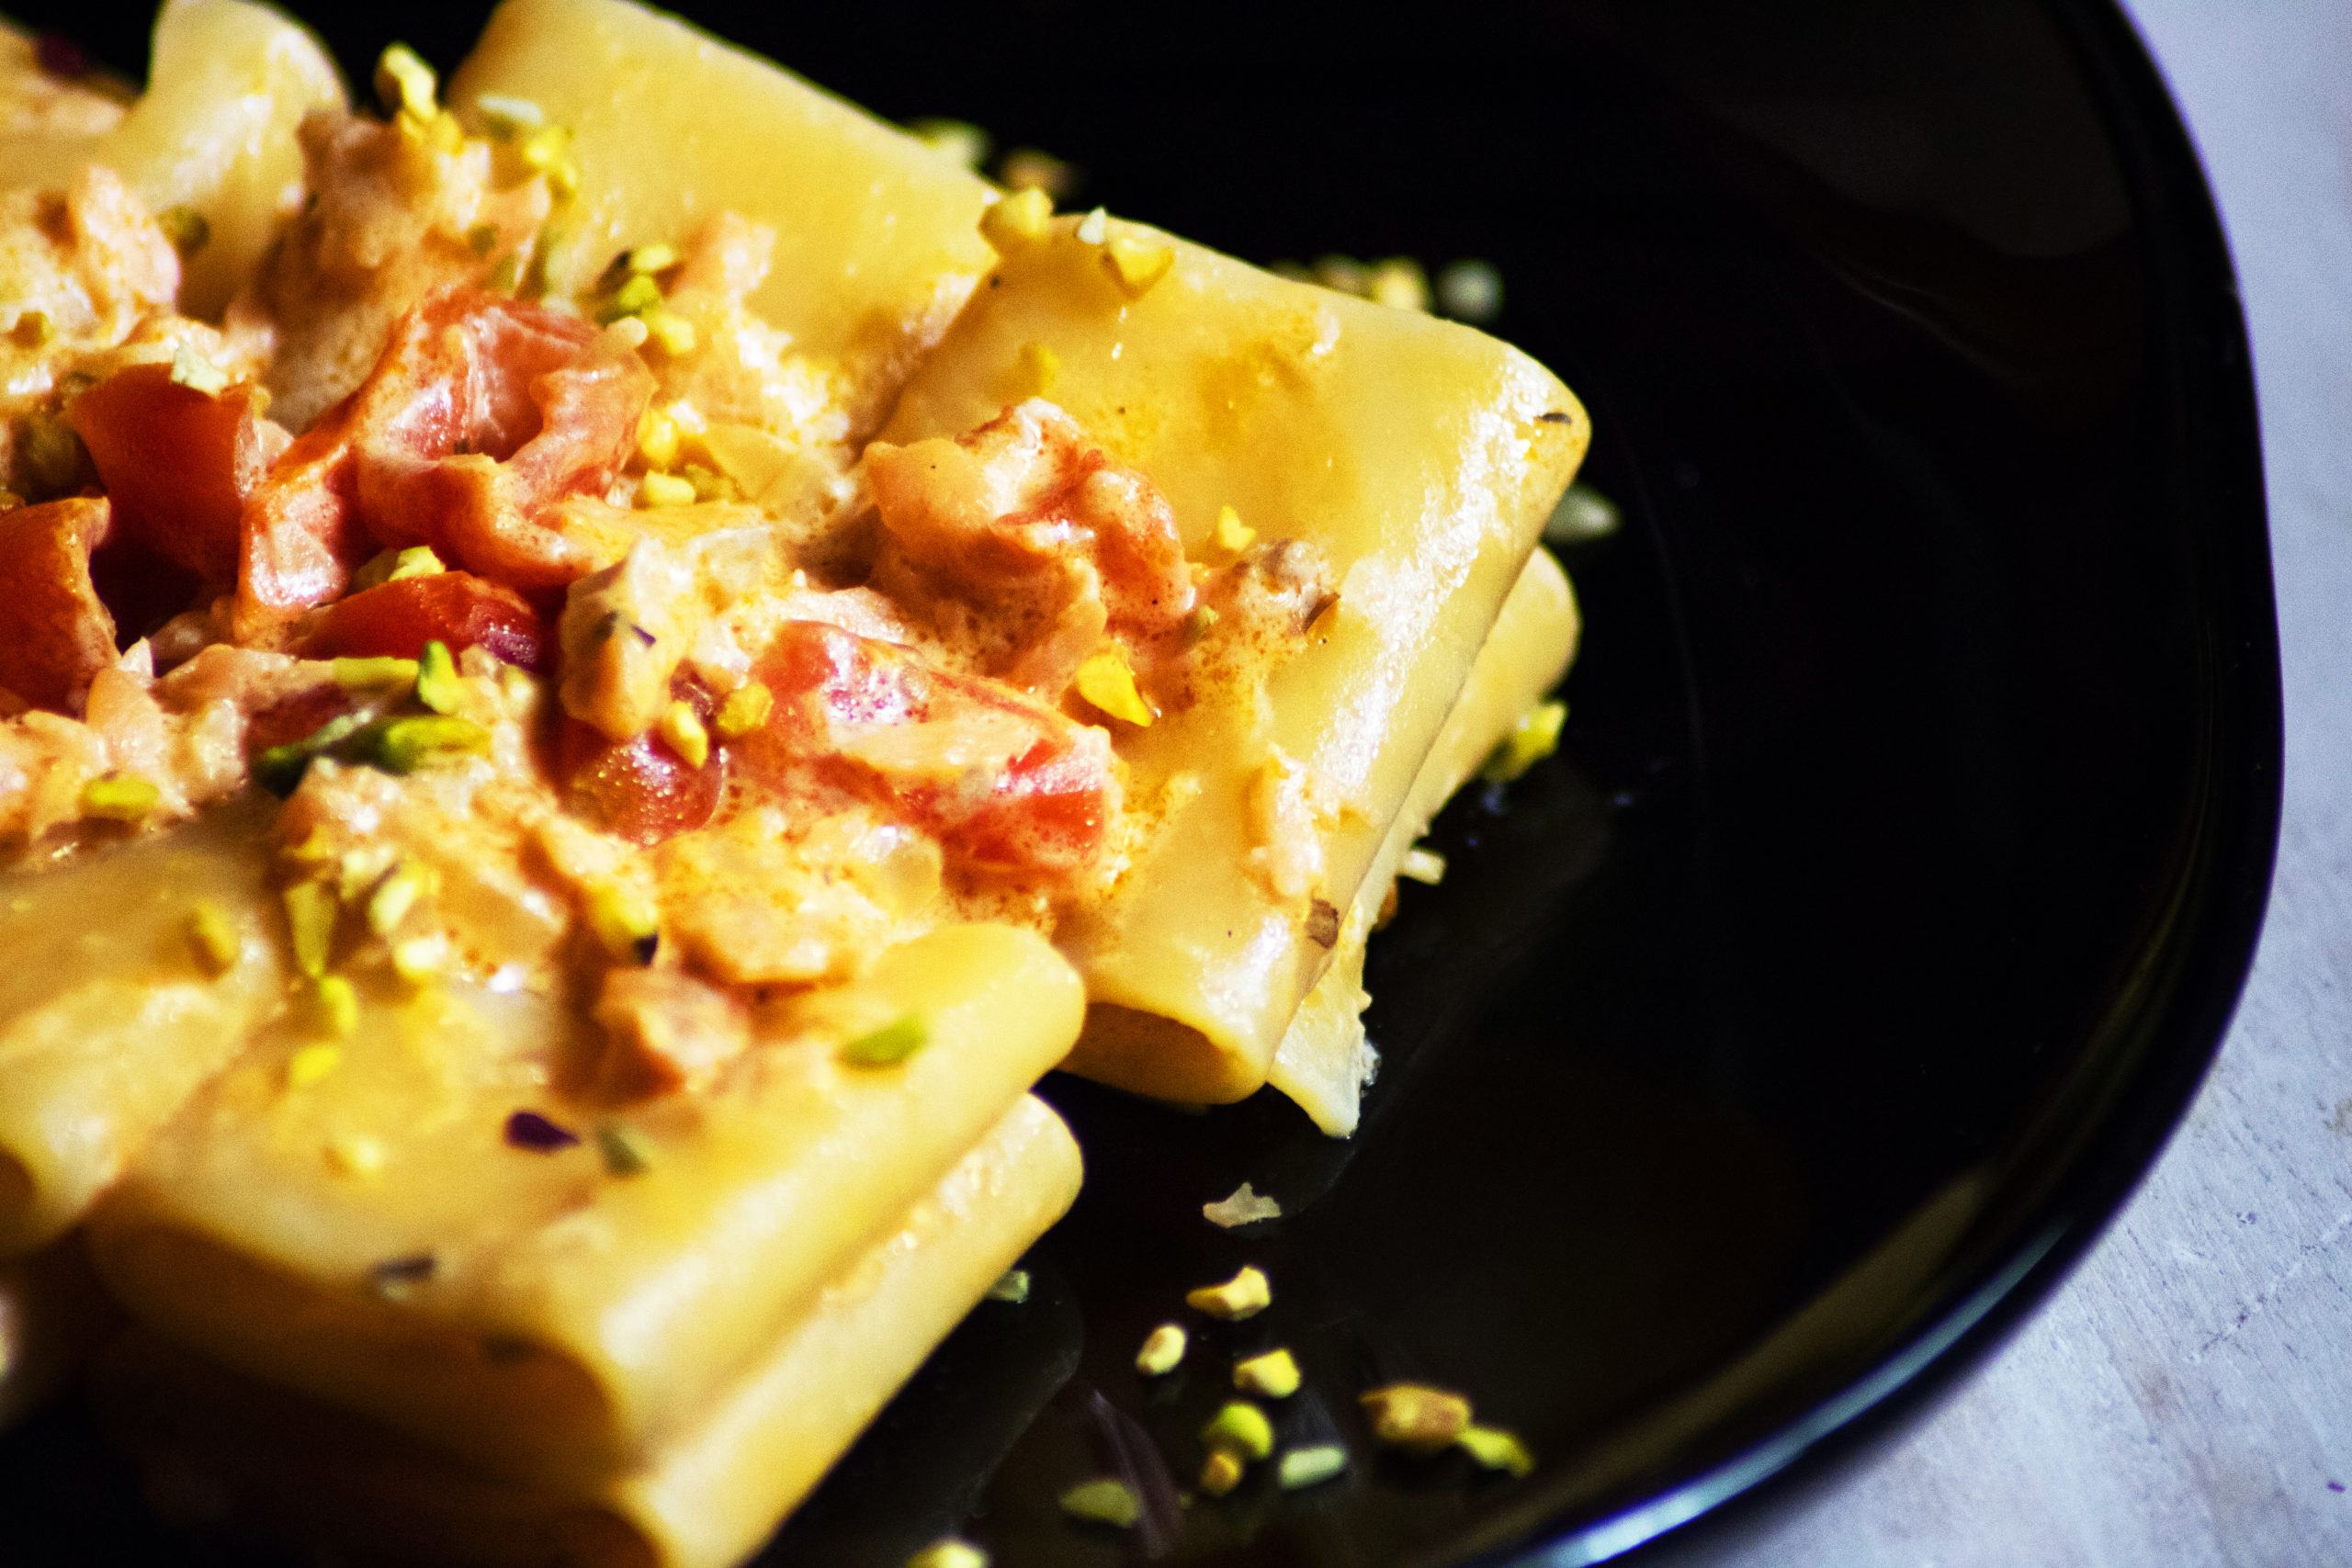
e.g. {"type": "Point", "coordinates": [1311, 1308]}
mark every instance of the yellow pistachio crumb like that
{"type": "Point", "coordinates": [1018, 219]}
{"type": "Point", "coordinates": [1105, 681]}
{"type": "Point", "coordinates": [398, 893]}
{"type": "Point", "coordinates": [437, 682]}
{"type": "Point", "coordinates": [338, 1002]}
{"type": "Point", "coordinates": [1137, 265]}
{"type": "Point", "coordinates": [745, 710]}
{"type": "Point", "coordinates": [1093, 226]}
{"type": "Point", "coordinates": [1232, 535]}
{"type": "Point", "coordinates": [404, 83]}
{"type": "Point", "coordinates": [197, 374]}
{"type": "Point", "coordinates": [1302, 1468]}
{"type": "Point", "coordinates": [963, 142]}
{"type": "Point", "coordinates": [625, 1151]}
{"type": "Point", "coordinates": [949, 1553]}
{"type": "Point", "coordinates": [374, 674]}
{"type": "Point", "coordinates": [1535, 737]}
{"type": "Point", "coordinates": [709, 484]}
{"type": "Point", "coordinates": [213, 939]}
{"type": "Point", "coordinates": [1422, 865]}
{"type": "Point", "coordinates": [1415, 1415]}
{"type": "Point", "coordinates": [417, 560]}
{"type": "Point", "coordinates": [548, 151]}
{"type": "Point", "coordinates": [1163, 1348]}
{"type": "Point", "coordinates": [1037, 369]}
{"type": "Point", "coordinates": [664, 489]}
{"type": "Point", "coordinates": [1399, 283]}
{"type": "Point", "coordinates": [624, 921]}
{"type": "Point", "coordinates": [507, 117]}
{"type": "Point", "coordinates": [1221, 1472]}
{"type": "Point", "coordinates": [1012, 1286]}
{"type": "Point", "coordinates": [681, 729]}
{"type": "Point", "coordinates": [312, 1065]}
{"type": "Point", "coordinates": [672, 332]}
{"type": "Point", "coordinates": [888, 1045]}
{"type": "Point", "coordinates": [357, 1155]}
{"type": "Point", "coordinates": [646, 260]}
{"type": "Point", "coordinates": [1274, 1374]}
{"type": "Point", "coordinates": [1495, 1448]}
{"type": "Point", "coordinates": [310, 911]}
{"type": "Point", "coordinates": [1241, 1429]}
{"type": "Point", "coordinates": [120, 797]}
{"type": "Point", "coordinates": [658, 438]}
{"type": "Point", "coordinates": [1247, 1294]}
{"type": "Point", "coordinates": [1104, 1502]}
{"type": "Point", "coordinates": [633, 298]}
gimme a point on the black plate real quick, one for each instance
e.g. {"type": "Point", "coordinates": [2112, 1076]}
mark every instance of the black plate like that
{"type": "Point", "coordinates": [1775, 1047]}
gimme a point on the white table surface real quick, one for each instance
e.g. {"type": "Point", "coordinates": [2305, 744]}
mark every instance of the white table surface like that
{"type": "Point", "coordinates": [2184, 1398]}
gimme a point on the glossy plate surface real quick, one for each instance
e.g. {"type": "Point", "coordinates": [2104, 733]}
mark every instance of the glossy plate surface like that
{"type": "Point", "coordinates": [1775, 1046]}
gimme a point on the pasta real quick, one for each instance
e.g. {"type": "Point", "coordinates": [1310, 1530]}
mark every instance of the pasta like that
{"type": "Point", "coordinates": [631, 671]}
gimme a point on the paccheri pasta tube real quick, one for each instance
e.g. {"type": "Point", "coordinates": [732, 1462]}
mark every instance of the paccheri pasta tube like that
{"type": "Point", "coordinates": [628, 674]}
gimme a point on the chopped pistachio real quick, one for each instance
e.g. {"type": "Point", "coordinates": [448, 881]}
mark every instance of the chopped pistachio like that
{"type": "Point", "coordinates": [187, 230]}
{"type": "Point", "coordinates": [1105, 1502]}
{"type": "Point", "coordinates": [120, 797]}
{"type": "Point", "coordinates": [1038, 368]}
{"type": "Point", "coordinates": [507, 117]}
{"type": "Point", "coordinates": [197, 374]}
{"type": "Point", "coordinates": [625, 1151]}
{"type": "Point", "coordinates": [49, 457]}
{"type": "Point", "coordinates": [1274, 1374]}
{"type": "Point", "coordinates": [1137, 265]}
{"type": "Point", "coordinates": [1398, 282]}
{"type": "Point", "coordinates": [1012, 1285]}
{"type": "Point", "coordinates": [404, 745]}
{"type": "Point", "coordinates": [33, 329]}
{"type": "Point", "coordinates": [1199, 623]}
{"type": "Point", "coordinates": [404, 83]}
{"type": "Point", "coordinates": [397, 894]}
{"type": "Point", "coordinates": [671, 331]}
{"type": "Point", "coordinates": [1232, 535]}
{"type": "Point", "coordinates": [1582, 514]}
{"type": "Point", "coordinates": [888, 1045]}
{"type": "Point", "coordinates": [310, 912]}
{"type": "Point", "coordinates": [1246, 1206]}
{"type": "Point", "coordinates": [1311, 1467]}
{"type": "Point", "coordinates": [1415, 1415]}
{"type": "Point", "coordinates": [548, 151]}
{"type": "Point", "coordinates": [1535, 737]}
{"type": "Point", "coordinates": [1026, 168]}
{"type": "Point", "coordinates": [338, 1002]}
{"type": "Point", "coordinates": [965, 143]}
{"type": "Point", "coordinates": [1470, 290]}
{"type": "Point", "coordinates": [1106, 680]}
{"type": "Point", "coordinates": [1247, 1294]}
{"type": "Point", "coordinates": [664, 489]}
{"type": "Point", "coordinates": [1221, 1472]}
{"type": "Point", "coordinates": [1018, 219]}
{"type": "Point", "coordinates": [437, 685]}
{"type": "Point", "coordinates": [213, 938]}
{"type": "Point", "coordinates": [1163, 1349]}
{"type": "Point", "coordinates": [1422, 865]}
{"type": "Point", "coordinates": [640, 293]}
{"type": "Point", "coordinates": [1239, 1429]}
{"type": "Point", "coordinates": [650, 259]}
{"type": "Point", "coordinates": [312, 1065]}
{"type": "Point", "coordinates": [539, 275]}
{"type": "Point", "coordinates": [658, 438]}
{"type": "Point", "coordinates": [374, 674]}
{"type": "Point", "coordinates": [1093, 226]}
{"type": "Point", "coordinates": [1495, 1448]}
{"type": "Point", "coordinates": [949, 1553]}
{"type": "Point", "coordinates": [709, 484]}
{"type": "Point", "coordinates": [745, 710]}
{"type": "Point", "coordinates": [623, 923]}
{"type": "Point", "coordinates": [682, 730]}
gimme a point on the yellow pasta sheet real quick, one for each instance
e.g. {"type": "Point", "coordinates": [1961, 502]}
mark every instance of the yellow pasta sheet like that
{"type": "Point", "coordinates": [214, 133]}
{"type": "Point", "coordinates": [374, 1240]}
{"type": "Point", "coordinates": [878, 242]}
{"type": "Point", "coordinates": [1419, 458]}
{"type": "Point", "coordinates": [110, 1016]}
{"type": "Point", "coordinates": [705, 1499]}
{"type": "Point", "coordinates": [1324, 1061]}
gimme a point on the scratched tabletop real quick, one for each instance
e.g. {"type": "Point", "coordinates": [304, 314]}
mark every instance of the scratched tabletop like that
{"type": "Point", "coordinates": [2184, 1398]}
